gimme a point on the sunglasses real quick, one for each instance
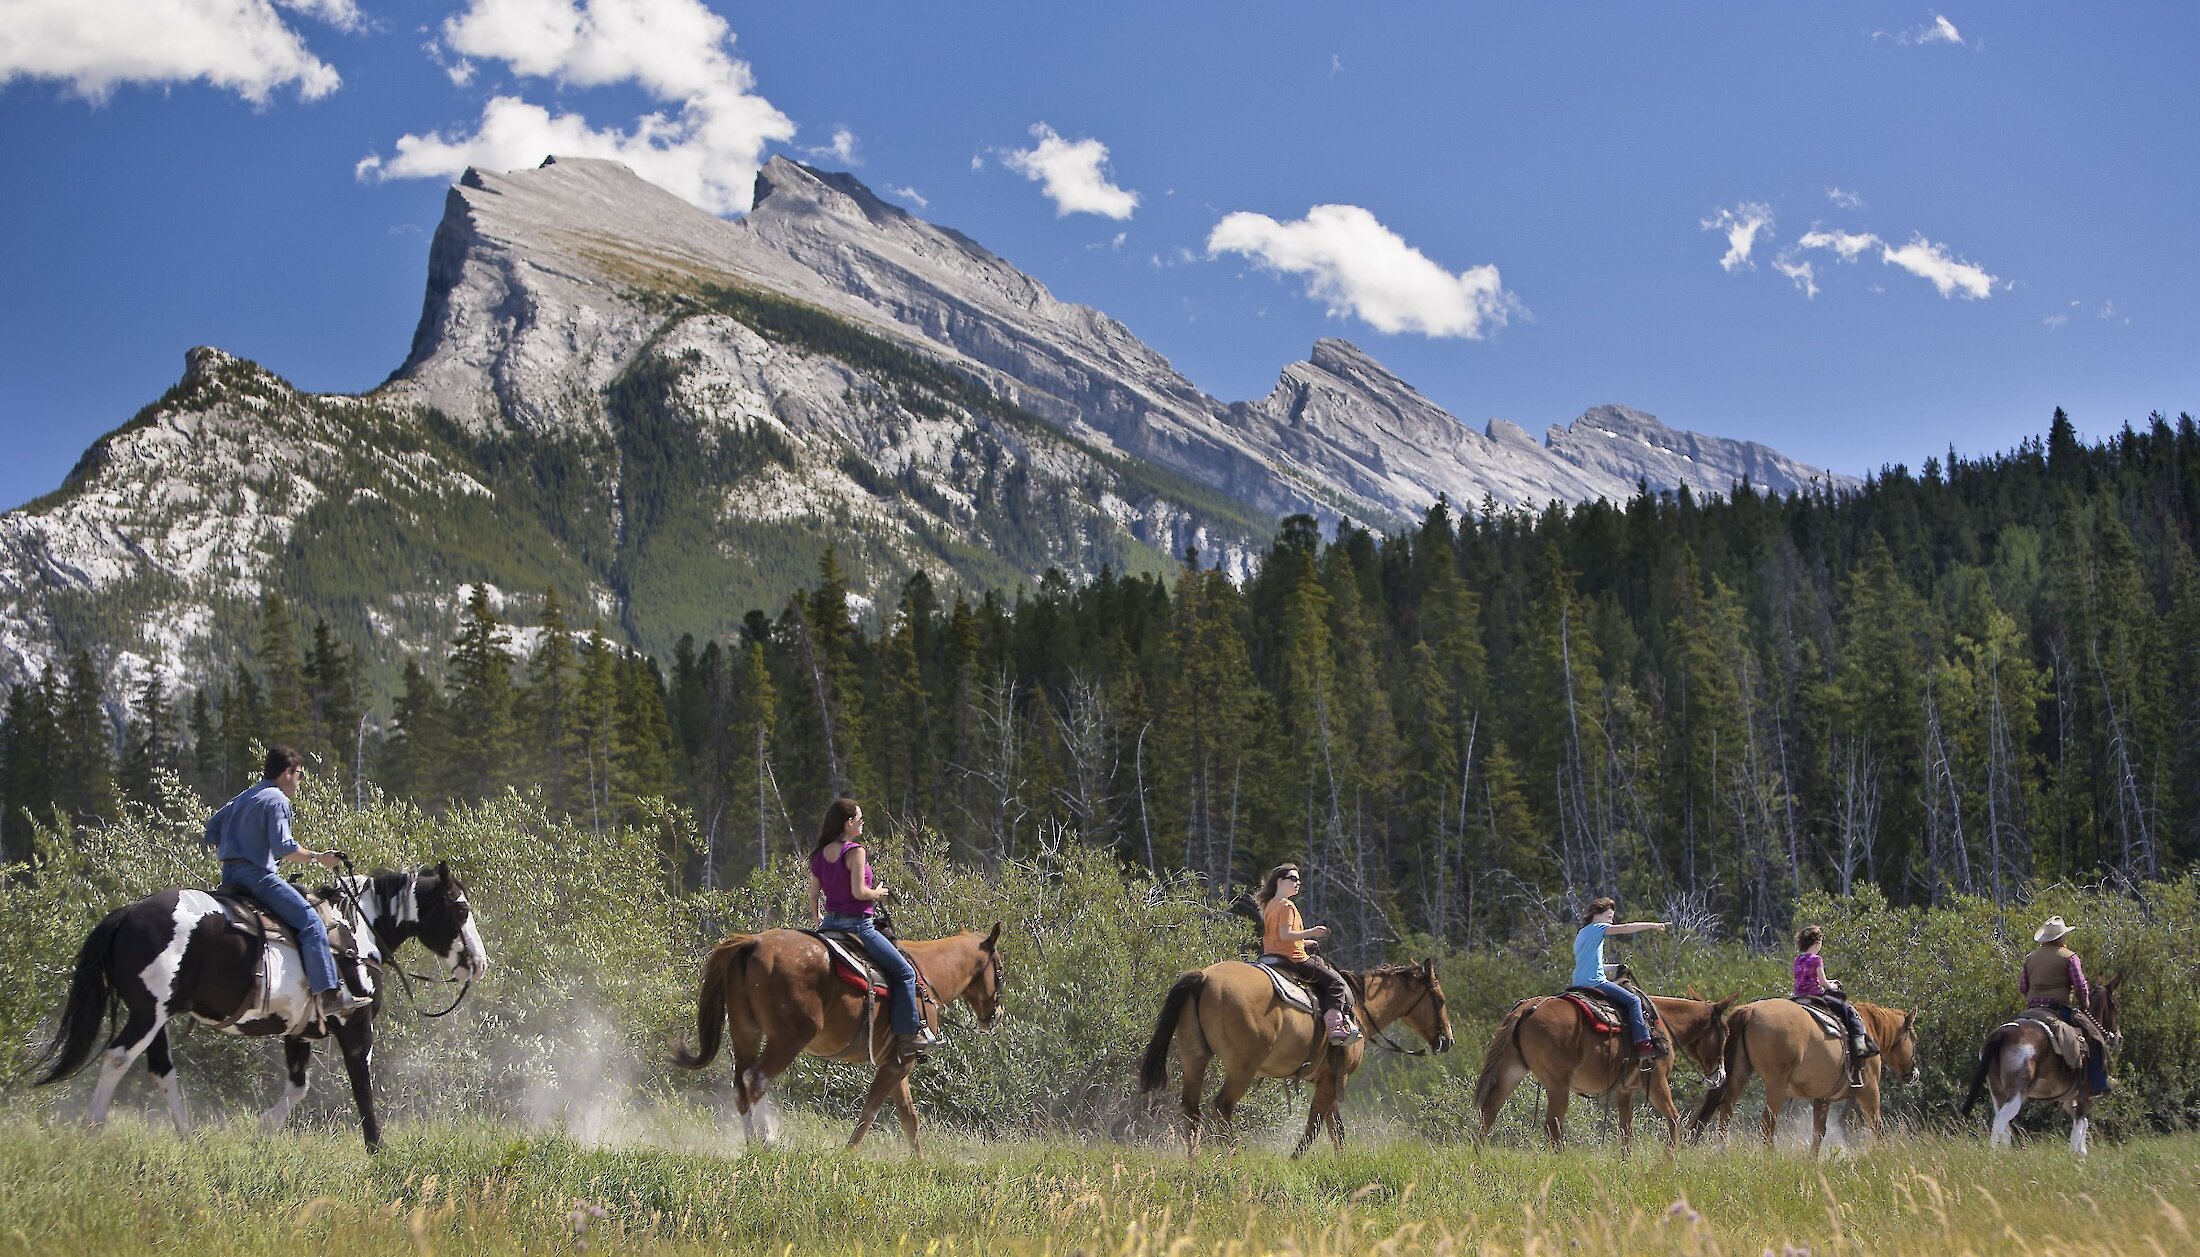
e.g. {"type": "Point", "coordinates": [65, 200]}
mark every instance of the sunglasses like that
{"type": "Point", "coordinates": [1288, 877]}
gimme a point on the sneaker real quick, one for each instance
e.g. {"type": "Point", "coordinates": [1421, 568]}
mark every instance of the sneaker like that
{"type": "Point", "coordinates": [1650, 1049]}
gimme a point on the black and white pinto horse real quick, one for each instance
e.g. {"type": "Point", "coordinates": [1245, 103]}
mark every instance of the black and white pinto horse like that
{"type": "Point", "coordinates": [173, 954]}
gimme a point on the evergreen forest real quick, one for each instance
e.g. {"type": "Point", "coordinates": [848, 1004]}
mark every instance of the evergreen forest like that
{"type": "Point", "coordinates": [1969, 679]}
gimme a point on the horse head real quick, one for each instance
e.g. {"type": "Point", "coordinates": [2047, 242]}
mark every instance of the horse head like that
{"type": "Point", "coordinates": [1899, 1050]}
{"type": "Point", "coordinates": [1431, 1019]}
{"type": "Point", "coordinates": [428, 903]}
{"type": "Point", "coordinates": [1406, 993]}
{"type": "Point", "coordinates": [1705, 1044]}
{"type": "Point", "coordinates": [2104, 1009]}
{"type": "Point", "coordinates": [983, 991]}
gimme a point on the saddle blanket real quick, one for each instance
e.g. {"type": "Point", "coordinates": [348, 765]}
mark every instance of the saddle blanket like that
{"type": "Point", "coordinates": [1828, 1020]}
{"type": "Point", "coordinates": [2068, 1040]}
{"type": "Point", "coordinates": [849, 963]}
{"type": "Point", "coordinates": [1289, 989]}
{"type": "Point", "coordinates": [1603, 1015]}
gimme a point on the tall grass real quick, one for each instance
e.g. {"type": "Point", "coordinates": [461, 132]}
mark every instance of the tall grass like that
{"type": "Point", "coordinates": [484, 1189]}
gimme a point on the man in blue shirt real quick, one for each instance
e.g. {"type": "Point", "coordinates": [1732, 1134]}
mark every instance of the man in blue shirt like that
{"type": "Point", "coordinates": [1589, 968]}
{"type": "Point", "coordinates": [252, 833]}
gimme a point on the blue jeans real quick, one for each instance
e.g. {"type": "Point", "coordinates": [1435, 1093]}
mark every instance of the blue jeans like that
{"type": "Point", "coordinates": [1637, 1028]}
{"type": "Point", "coordinates": [901, 976]}
{"type": "Point", "coordinates": [283, 899]}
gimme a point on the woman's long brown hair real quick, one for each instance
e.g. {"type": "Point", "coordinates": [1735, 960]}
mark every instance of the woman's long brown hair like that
{"type": "Point", "coordinates": [837, 816]}
{"type": "Point", "coordinates": [1267, 889]}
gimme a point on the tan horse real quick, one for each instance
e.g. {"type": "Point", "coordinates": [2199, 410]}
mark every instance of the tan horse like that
{"type": "Point", "coordinates": [1231, 1012]}
{"type": "Point", "coordinates": [1549, 1037]}
{"type": "Point", "coordinates": [1776, 1038]}
{"type": "Point", "coordinates": [777, 992]}
{"type": "Point", "coordinates": [2018, 1064]}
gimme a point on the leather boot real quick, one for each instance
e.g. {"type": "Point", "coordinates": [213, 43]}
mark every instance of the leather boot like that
{"type": "Point", "coordinates": [340, 1001]}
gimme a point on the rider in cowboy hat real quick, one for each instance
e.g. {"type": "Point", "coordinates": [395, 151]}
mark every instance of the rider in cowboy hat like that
{"type": "Point", "coordinates": [2052, 978]}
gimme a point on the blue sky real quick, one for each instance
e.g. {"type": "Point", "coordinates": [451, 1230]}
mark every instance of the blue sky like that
{"type": "Point", "coordinates": [1532, 208]}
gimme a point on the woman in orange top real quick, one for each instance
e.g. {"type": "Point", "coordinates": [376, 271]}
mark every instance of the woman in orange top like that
{"type": "Point", "coordinates": [1284, 936]}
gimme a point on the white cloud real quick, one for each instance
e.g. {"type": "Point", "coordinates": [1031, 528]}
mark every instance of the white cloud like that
{"type": "Point", "coordinates": [1920, 257]}
{"type": "Point", "coordinates": [1848, 245]}
{"type": "Point", "coordinates": [2055, 322]}
{"type": "Point", "coordinates": [911, 195]}
{"type": "Point", "coordinates": [1073, 174]}
{"type": "Point", "coordinates": [842, 149]}
{"type": "Point", "coordinates": [1804, 275]}
{"type": "Point", "coordinates": [1844, 199]}
{"type": "Point", "coordinates": [1336, 65]}
{"type": "Point", "coordinates": [242, 46]}
{"type": "Point", "coordinates": [1360, 267]}
{"type": "Point", "coordinates": [1741, 225]}
{"type": "Point", "coordinates": [676, 50]}
{"type": "Point", "coordinates": [1933, 263]}
{"type": "Point", "coordinates": [977, 161]}
{"type": "Point", "coordinates": [1938, 31]}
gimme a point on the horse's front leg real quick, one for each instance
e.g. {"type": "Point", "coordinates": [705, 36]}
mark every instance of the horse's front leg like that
{"type": "Point", "coordinates": [297, 1059]}
{"type": "Point", "coordinates": [355, 1035]}
{"type": "Point", "coordinates": [906, 1106]}
{"type": "Point", "coordinates": [1624, 1109]}
{"type": "Point", "coordinates": [1818, 1111]}
{"type": "Point", "coordinates": [1661, 1099]}
{"type": "Point", "coordinates": [2079, 1121]}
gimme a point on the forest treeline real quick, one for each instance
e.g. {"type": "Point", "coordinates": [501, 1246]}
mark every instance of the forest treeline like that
{"type": "Point", "coordinates": [1964, 680]}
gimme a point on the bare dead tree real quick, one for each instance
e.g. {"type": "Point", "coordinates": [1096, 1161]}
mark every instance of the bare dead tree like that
{"type": "Point", "coordinates": [1088, 743]}
{"type": "Point", "coordinates": [2136, 856]}
{"type": "Point", "coordinates": [1857, 814]}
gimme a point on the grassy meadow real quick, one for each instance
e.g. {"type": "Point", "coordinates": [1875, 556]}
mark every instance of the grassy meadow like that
{"type": "Point", "coordinates": [690, 1188]}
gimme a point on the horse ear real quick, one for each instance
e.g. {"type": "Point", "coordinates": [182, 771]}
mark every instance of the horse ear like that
{"type": "Point", "coordinates": [1718, 1010]}
{"type": "Point", "coordinates": [1691, 989]}
{"type": "Point", "coordinates": [992, 940]}
{"type": "Point", "coordinates": [443, 869]}
{"type": "Point", "coordinates": [1428, 966]}
{"type": "Point", "coordinates": [1910, 1018]}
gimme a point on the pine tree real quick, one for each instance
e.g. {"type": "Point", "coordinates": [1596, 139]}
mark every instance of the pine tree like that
{"type": "Point", "coordinates": [332, 700]}
{"type": "Point", "coordinates": [28, 745]}
{"type": "Point", "coordinates": [480, 701]}
{"type": "Point", "coordinates": [287, 716]}
{"type": "Point", "coordinates": [549, 714]}
{"type": "Point", "coordinates": [417, 761]}
{"type": "Point", "coordinates": [84, 759]}
{"type": "Point", "coordinates": [149, 746]}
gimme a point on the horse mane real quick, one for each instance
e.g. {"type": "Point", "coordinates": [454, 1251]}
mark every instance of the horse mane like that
{"type": "Point", "coordinates": [1883, 1020]}
{"type": "Point", "coordinates": [1383, 971]}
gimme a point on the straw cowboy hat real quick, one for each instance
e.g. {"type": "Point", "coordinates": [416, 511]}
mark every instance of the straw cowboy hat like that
{"type": "Point", "coordinates": [2051, 931]}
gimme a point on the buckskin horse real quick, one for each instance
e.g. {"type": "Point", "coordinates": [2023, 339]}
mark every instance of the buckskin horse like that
{"type": "Point", "coordinates": [1800, 1061]}
{"type": "Point", "coordinates": [2019, 1063]}
{"type": "Point", "coordinates": [174, 954]}
{"type": "Point", "coordinates": [1550, 1037]}
{"type": "Point", "coordinates": [1230, 1011]}
{"type": "Point", "coordinates": [778, 995]}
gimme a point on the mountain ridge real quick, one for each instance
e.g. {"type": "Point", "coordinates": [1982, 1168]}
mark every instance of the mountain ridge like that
{"type": "Point", "coordinates": [670, 417]}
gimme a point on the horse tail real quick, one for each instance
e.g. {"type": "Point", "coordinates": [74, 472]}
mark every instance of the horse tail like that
{"type": "Point", "coordinates": [1978, 1075]}
{"type": "Point", "coordinates": [90, 999]}
{"type": "Point", "coordinates": [724, 964]}
{"type": "Point", "coordinates": [1154, 1069]}
{"type": "Point", "coordinates": [1735, 1065]}
{"type": "Point", "coordinates": [1507, 1039]}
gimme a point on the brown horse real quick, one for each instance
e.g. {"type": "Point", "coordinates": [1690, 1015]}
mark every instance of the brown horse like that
{"type": "Point", "coordinates": [2018, 1064]}
{"type": "Point", "coordinates": [1549, 1037]}
{"type": "Point", "coordinates": [777, 992]}
{"type": "Point", "coordinates": [1776, 1038]}
{"type": "Point", "coordinates": [1231, 1012]}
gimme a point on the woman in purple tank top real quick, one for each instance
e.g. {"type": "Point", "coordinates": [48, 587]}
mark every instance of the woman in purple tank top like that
{"type": "Point", "coordinates": [845, 896]}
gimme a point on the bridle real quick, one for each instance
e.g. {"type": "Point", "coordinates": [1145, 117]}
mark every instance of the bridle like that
{"type": "Point", "coordinates": [349, 891]}
{"type": "Point", "coordinates": [1381, 1038]}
